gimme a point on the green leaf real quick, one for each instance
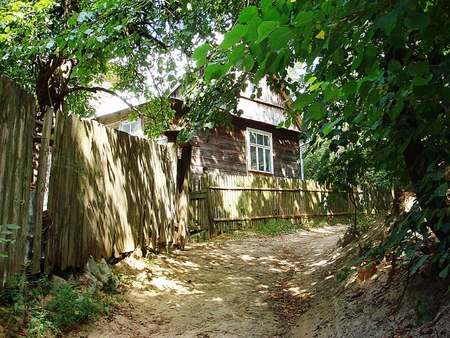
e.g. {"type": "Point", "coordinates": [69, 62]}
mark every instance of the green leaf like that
{"type": "Point", "coordinates": [419, 264]}
{"type": "Point", "coordinates": [384, 20]}
{"type": "Point", "coordinates": [416, 20]}
{"type": "Point", "coordinates": [394, 65]}
{"type": "Point", "coordinates": [441, 191]}
{"type": "Point", "coordinates": [329, 126]}
{"type": "Point", "coordinates": [247, 63]}
{"type": "Point", "coordinates": [215, 71]}
{"type": "Point", "coordinates": [303, 19]}
{"type": "Point", "coordinates": [12, 226]}
{"type": "Point", "coordinates": [280, 37]}
{"type": "Point", "coordinates": [444, 273]}
{"type": "Point", "coordinates": [234, 36]}
{"type": "Point", "coordinates": [420, 81]}
{"type": "Point", "coordinates": [302, 101]}
{"type": "Point", "coordinates": [317, 111]}
{"type": "Point", "coordinates": [338, 56]}
{"type": "Point", "coordinates": [236, 53]}
{"type": "Point", "coordinates": [265, 28]}
{"type": "Point", "coordinates": [200, 54]}
{"type": "Point", "coordinates": [247, 14]}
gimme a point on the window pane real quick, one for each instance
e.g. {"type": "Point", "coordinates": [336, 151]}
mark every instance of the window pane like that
{"type": "Point", "coordinates": [253, 159]}
{"type": "Point", "coordinates": [252, 138]}
{"type": "Point", "coordinates": [134, 127]}
{"type": "Point", "coordinates": [261, 159]}
{"type": "Point", "coordinates": [268, 161]}
{"type": "Point", "coordinates": [266, 140]}
{"type": "Point", "coordinates": [260, 139]}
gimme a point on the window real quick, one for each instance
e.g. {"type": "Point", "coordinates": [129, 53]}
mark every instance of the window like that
{"type": "Point", "coordinates": [132, 128]}
{"type": "Point", "coordinates": [259, 151]}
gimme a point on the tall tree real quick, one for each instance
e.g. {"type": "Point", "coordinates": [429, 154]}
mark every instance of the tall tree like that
{"type": "Point", "coordinates": [377, 86]}
{"type": "Point", "coordinates": [62, 50]}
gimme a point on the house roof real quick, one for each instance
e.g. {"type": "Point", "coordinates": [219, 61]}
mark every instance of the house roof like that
{"type": "Point", "coordinates": [267, 109]}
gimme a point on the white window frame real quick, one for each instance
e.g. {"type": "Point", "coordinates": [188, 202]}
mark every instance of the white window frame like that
{"type": "Point", "coordinates": [129, 123]}
{"type": "Point", "coordinates": [264, 151]}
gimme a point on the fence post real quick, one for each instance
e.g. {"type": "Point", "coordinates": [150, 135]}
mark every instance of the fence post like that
{"type": "Point", "coordinates": [183, 171]}
{"type": "Point", "coordinates": [44, 154]}
{"type": "Point", "coordinates": [209, 203]}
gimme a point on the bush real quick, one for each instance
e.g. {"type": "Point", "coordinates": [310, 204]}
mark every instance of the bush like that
{"type": "Point", "coordinates": [68, 308]}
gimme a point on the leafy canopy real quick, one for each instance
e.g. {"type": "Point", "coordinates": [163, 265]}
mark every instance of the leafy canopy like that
{"type": "Point", "coordinates": [63, 51]}
{"type": "Point", "coordinates": [376, 87]}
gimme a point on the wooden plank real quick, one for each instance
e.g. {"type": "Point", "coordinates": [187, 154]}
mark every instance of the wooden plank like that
{"type": "Point", "coordinates": [17, 113]}
{"type": "Point", "coordinates": [41, 187]}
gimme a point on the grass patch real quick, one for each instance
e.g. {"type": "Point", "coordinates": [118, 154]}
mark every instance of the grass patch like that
{"type": "Point", "coordinates": [274, 227]}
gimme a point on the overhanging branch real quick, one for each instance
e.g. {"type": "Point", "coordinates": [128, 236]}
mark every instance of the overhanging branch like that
{"type": "Point", "coordinates": [98, 89]}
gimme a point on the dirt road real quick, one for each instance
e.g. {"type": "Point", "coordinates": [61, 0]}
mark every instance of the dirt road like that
{"type": "Point", "coordinates": [250, 287]}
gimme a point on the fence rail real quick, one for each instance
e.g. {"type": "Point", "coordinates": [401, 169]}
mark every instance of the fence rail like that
{"type": "Point", "coordinates": [235, 201]}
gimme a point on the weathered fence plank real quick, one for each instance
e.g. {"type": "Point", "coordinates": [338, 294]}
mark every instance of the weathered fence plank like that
{"type": "Point", "coordinates": [247, 199]}
{"type": "Point", "coordinates": [41, 186]}
{"type": "Point", "coordinates": [17, 114]}
{"type": "Point", "coordinates": [109, 193]}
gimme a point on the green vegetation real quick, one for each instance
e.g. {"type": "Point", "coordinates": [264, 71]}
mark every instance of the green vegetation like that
{"type": "Point", "coordinates": [64, 52]}
{"type": "Point", "coordinates": [367, 81]}
{"type": "Point", "coordinates": [5, 231]}
{"type": "Point", "coordinates": [275, 227]}
{"type": "Point", "coordinates": [69, 308]}
{"type": "Point", "coordinates": [42, 308]}
{"type": "Point", "coordinates": [374, 90]}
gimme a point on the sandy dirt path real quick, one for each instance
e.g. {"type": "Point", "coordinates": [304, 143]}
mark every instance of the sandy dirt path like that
{"type": "Point", "coordinates": [249, 287]}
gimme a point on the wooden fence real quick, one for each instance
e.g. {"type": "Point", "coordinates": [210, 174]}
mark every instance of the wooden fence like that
{"type": "Point", "coordinates": [109, 193]}
{"type": "Point", "coordinates": [219, 202]}
{"type": "Point", "coordinates": [17, 113]}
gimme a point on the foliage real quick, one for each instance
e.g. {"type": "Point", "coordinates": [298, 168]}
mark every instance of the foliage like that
{"type": "Point", "coordinates": [377, 88]}
{"type": "Point", "coordinates": [39, 308]}
{"type": "Point", "coordinates": [65, 52]}
{"type": "Point", "coordinates": [274, 227]}
{"type": "Point", "coordinates": [69, 308]}
{"type": "Point", "coordinates": [5, 231]}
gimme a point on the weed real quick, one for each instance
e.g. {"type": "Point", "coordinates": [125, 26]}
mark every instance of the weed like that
{"type": "Point", "coordinates": [275, 227]}
{"type": "Point", "coordinates": [69, 308]}
{"type": "Point", "coordinates": [6, 230]}
{"type": "Point", "coordinates": [422, 310]}
{"type": "Point", "coordinates": [41, 325]}
{"type": "Point", "coordinates": [343, 274]}
{"type": "Point", "coordinates": [110, 286]}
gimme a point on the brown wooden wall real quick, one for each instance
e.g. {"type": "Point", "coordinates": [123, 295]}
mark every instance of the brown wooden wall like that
{"type": "Point", "coordinates": [109, 193]}
{"type": "Point", "coordinates": [17, 114]}
{"type": "Point", "coordinates": [225, 152]}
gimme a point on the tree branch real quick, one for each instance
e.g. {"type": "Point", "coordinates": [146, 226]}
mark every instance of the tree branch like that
{"type": "Point", "coordinates": [95, 90]}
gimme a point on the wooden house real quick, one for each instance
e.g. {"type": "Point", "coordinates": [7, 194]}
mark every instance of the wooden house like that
{"type": "Point", "coordinates": [254, 146]}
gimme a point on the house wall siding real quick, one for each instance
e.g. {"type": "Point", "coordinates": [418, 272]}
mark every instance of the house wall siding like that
{"type": "Point", "coordinates": [225, 152]}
